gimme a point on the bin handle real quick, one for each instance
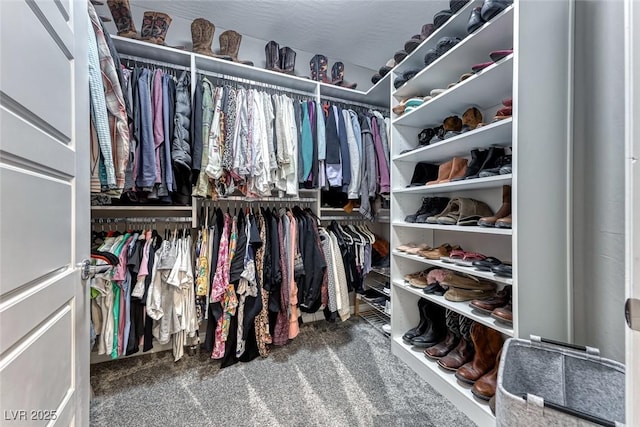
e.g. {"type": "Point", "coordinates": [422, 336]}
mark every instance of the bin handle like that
{"type": "Point", "coordinates": [589, 350]}
{"type": "Point", "coordinates": [575, 413]}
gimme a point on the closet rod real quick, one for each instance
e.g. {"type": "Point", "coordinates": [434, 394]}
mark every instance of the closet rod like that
{"type": "Point", "coordinates": [256, 83]}
{"type": "Point", "coordinates": [343, 218]}
{"type": "Point", "coordinates": [152, 62]}
{"type": "Point", "coordinates": [142, 220]}
{"type": "Point", "coordinates": [242, 199]}
{"type": "Point", "coordinates": [359, 104]}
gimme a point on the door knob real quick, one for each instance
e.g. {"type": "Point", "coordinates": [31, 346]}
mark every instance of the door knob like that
{"type": "Point", "coordinates": [632, 313]}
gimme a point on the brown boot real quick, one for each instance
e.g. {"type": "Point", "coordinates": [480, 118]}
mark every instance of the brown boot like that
{"type": "Point", "coordinates": [504, 222]}
{"type": "Point", "coordinates": [451, 340]}
{"type": "Point", "coordinates": [230, 45]}
{"type": "Point", "coordinates": [458, 169]}
{"type": "Point", "coordinates": [500, 299]}
{"type": "Point", "coordinates": [463, 352]}
{"type": "Point", "coordinates": [121, 12]}
{"type": "Point", "coordinates": [505, 209]}
{"type": "Point", "coordinates": [444, 172]}
{"type": "Point", "coordinates": [487, 342]}
{"type": "Point", "coordinates": [155, 26]}
{"type": "Point", "coordinates": [485, 387]}
{"type": "Point", "coordinates": [202, 32]}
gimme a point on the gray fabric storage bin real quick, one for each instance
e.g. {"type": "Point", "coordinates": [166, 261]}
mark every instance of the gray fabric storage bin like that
{"type": "Point", "coordinates": [563, 386]}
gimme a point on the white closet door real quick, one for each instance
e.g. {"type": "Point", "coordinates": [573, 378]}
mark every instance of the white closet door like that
{"type": "Point", "coordinates": [44, 213]}
{"type": "Point", "coordinates": [632, 93]}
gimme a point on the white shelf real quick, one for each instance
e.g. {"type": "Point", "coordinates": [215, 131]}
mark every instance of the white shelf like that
{"type": "Point", "coordinates": [450, 266]}
{"type": "Point", "coordinates": [373, 305]}
{"type": "Point", "coordinates": [462, 308]}
{"type": "Point", "coordinates": [378, 95]}
{"type": "Point", "coordinates": [497, 34]}
{"type": "Point", "coordinates": [467, 184]}
{"type": "Point", "coordinates": [445, 382]}
{"type": "Point", "coordinates": [456, 26]}
{"type": "Point", "coordinates": [130, 47]}
{"type": "Point", "coordinates": [487, 88]}
{"type": "Point", "coordinates": [455, 228]}
{"type": "Point", "coordinates": [497, 133]}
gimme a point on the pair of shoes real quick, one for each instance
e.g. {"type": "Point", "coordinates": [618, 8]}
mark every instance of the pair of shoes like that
{"type": "Point", "coordinates": [456, 348]}
{"type": "Point", "coordinates": [443, 45]}
{"type": "Point", "coordinates": [482, 14]}
{"type": "Point", "coordinates": [500, 299]}
{"type": "Point", "coordinates": [448, 171]}
{"type": "Point", "coordinates": [495, 56]}
{"type": "Point", "coordinates": [282, 60]}
{"type": "Point", "coordinates": [461, 211]}
{"type": "Point", "coordinates": [202, 32]}
{"type": "Point", "coordinates": [430, 206]}
{"type": "Point", "coordinates": [452, 126]}
{"type": "Point", "coordinates": [482, 160]}
{"type": "Point", "coordinates": [438, 252]}
{"type": "Point", "coordinates": [155, 25]}
{"type": "Point", "coordinates": [463, 258]}
{"type": "Point", "coordinates": [432, 327]}
{"type": "Point", "coordinates": [319, 65]}
{"type": "Point", "coordinates": [440, 18]}
{"type": "Point", "coordinates": [504, 113]}
{"type": "Point", "coordinates": [407, 105]}
{"type": "Point", "coordinates": [415, 41]}
{"type": "Point", "coordinates": [487, 343]}
{"type": "Point", "coordinates": [502, 218]}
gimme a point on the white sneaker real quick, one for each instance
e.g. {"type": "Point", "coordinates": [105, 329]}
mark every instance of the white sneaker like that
{"type": "Point", "coordinates": [387, 328]}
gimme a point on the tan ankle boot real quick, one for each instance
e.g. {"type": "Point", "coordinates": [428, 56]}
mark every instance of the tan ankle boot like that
{"type": "Point", "coordinates": [444, 171]}
{"type": "Point", "coordinates": [458, 169]}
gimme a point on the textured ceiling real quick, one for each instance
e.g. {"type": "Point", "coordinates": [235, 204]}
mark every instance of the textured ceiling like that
{"type": "Point", "coordinates": [365, 33]}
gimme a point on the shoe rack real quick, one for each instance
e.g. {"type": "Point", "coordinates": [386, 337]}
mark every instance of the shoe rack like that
{"type": "Point", "coordinates": [536, 76]}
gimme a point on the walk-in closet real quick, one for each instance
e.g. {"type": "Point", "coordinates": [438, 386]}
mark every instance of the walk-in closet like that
{"type": "Point", "coordinates": [370, 213]}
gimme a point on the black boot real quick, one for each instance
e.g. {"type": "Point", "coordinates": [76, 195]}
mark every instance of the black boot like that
{"type": "Point", "coordinates": [436, 205]}
{"type": "Point", "coordinates": [473, 167]}
{"type": "Point", "coordinates": [436, 327]}
{"type": "Point", "coordinates": [493, 154]}
{"type": "Point", "coordinates": [271, 51]}
{"type": "Point", "coordinates": [426, 202]}
{"type": "Point", "coordinates": [422, 326]}
{"type": "Point", "coordinates": [287, 60]}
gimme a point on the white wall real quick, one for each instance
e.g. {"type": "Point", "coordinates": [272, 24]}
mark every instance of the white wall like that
{"type": "Point", "coordinates": [251, 49]}
{"type": "Point", "coordinates": [599, 176]}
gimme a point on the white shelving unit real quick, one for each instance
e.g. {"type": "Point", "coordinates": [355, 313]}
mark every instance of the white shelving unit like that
{"type": "Point", "coordinates": [537, 77]}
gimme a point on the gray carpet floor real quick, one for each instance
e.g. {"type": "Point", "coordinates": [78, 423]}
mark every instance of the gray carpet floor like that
{"type": "Point", "coordinates": [331, 375]}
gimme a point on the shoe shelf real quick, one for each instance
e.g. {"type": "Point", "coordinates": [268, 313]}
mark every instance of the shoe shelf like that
{"type": "Point", "coordinates": [456, 228]}
{"type": "Point", "coordinates": [494, 35]}
{"type": "Point", "coordinates": [456, 26]}
{"type": "Point", "coordinates": [382, 271]}
{"type": "Point", "coordinates": [459, 307]}
{"type": "Point", "coordinates": [141, 49]}
{"type": "Point", "coordinates": [469, 184]}
{"type": "Point", "coordinates": [497, 133]}
{"type": "Point", "coordinates": [376, 320]}
{"type": "Point", "coordinates": [450, 266]}
{"type": "Point", "coordinates": [445, 382]}
{"type": "Point", "coordinates": [373, 305]}
{"type": "Point", "coordinates": [376, 95]}
{"type": "Point", "coordinates": [487, 88]}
